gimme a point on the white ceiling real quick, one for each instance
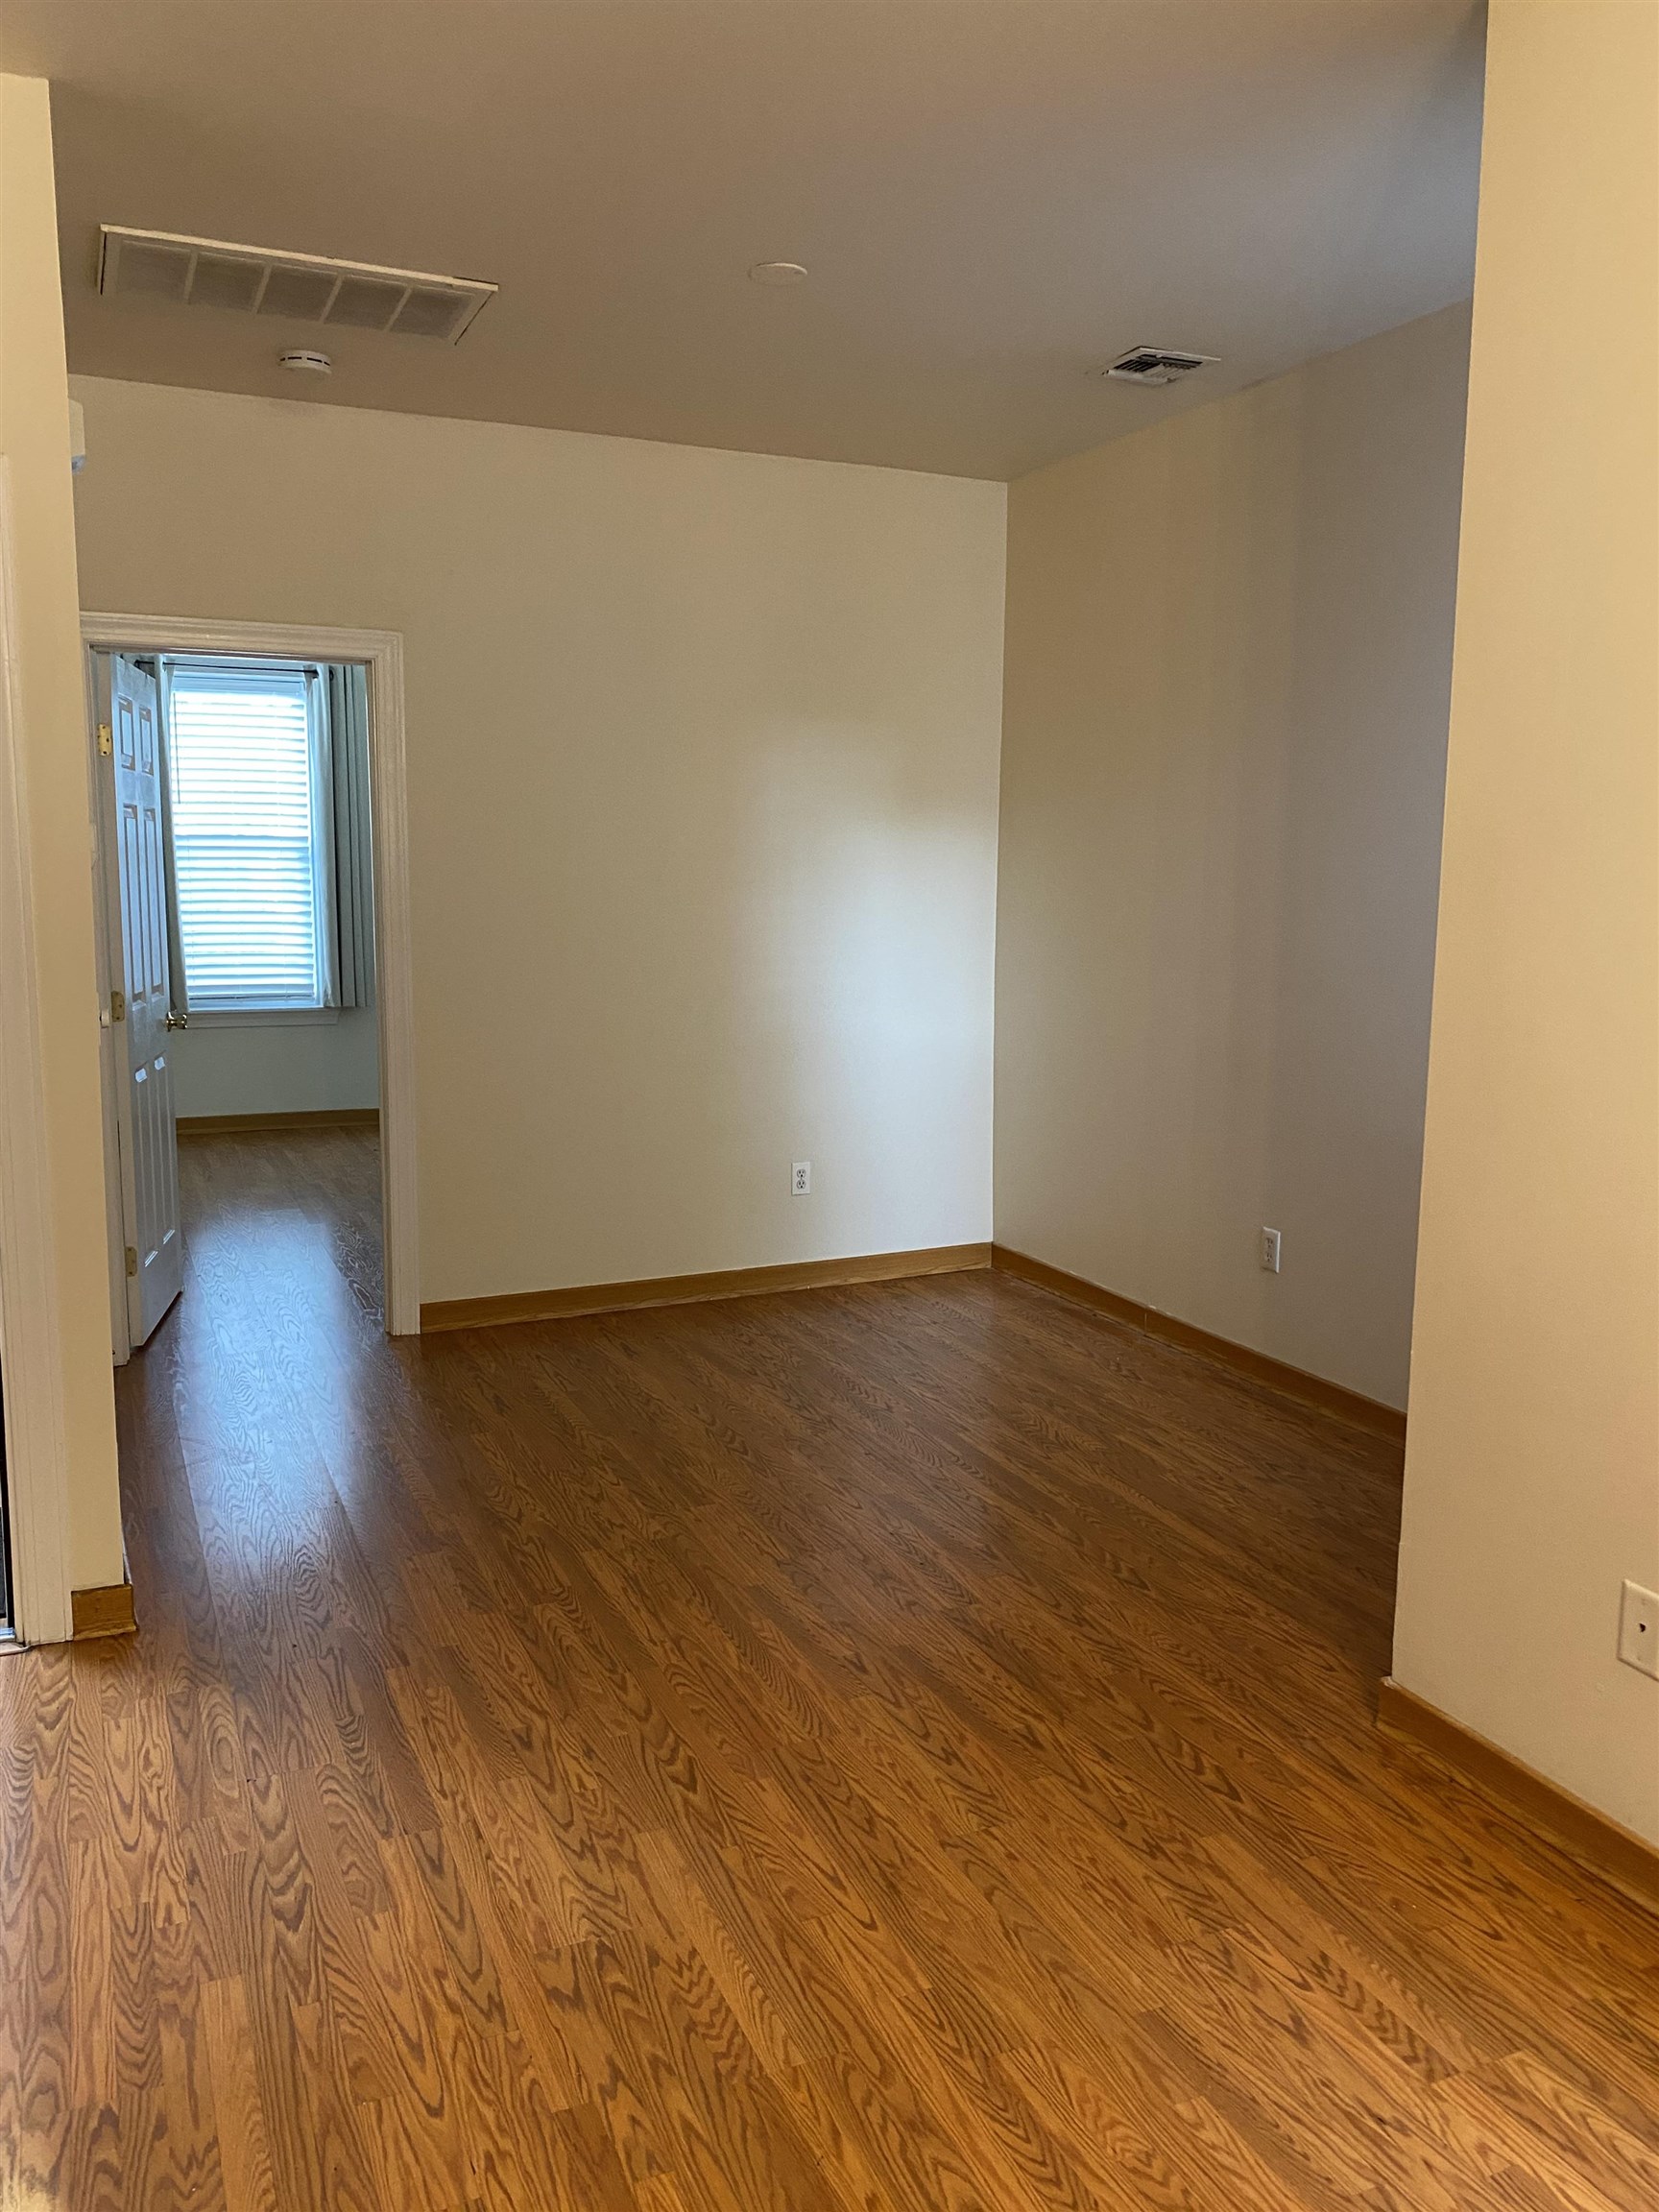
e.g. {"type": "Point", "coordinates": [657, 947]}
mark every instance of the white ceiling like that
{"type": "Point", "coordinates": [993, 197]}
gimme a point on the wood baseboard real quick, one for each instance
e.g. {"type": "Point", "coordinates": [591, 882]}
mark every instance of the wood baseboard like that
{"type": "Point", "coordinates": [103, 1612]}
{"type": "Point", "coordinates": [1295, 1382]}
{"type": "Point", "coordinates": [1603, 1845]}
{"type": "Point", "coordinates": [249, 1124]}
{"type": "Point", "coordinates": [693, 1289]}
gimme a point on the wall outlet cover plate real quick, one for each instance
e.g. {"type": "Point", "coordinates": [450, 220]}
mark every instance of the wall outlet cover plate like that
{"type": "Point", "coordinates": [1638, 1629]}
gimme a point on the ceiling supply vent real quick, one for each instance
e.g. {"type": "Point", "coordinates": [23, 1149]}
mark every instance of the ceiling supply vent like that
{"type": "Point", "coordinates": [151, 265]}
{"type": "Point", "coordinates": [1157, 365]}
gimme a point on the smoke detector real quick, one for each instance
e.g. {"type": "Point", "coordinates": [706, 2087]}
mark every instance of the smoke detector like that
{"type": "Point", "coordinates": [1156, 365]}
{"type": "Point", "coordinates": [154, 266]}
{"type": "Point", "coordinates": [308, 360]}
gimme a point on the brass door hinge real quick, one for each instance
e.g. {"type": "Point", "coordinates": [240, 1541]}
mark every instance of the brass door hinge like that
{"type": "Point", "coordinates": [131, 1261]}
{"type": "Point", "coordinates": [106, 742]}
{"type": "Point", "coordinates": [117, 1005]}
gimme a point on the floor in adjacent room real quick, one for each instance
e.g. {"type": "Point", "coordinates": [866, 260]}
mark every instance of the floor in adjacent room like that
{"type": "Point", "coordinates": [906, 1748]}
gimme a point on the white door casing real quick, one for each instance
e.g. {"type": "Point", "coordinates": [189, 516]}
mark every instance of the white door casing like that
{"type": "Point", "coordinates": [140, 1010]}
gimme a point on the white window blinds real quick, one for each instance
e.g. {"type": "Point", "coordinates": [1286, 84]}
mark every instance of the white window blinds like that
{"type": "Point", "coordinates": [249, 833]}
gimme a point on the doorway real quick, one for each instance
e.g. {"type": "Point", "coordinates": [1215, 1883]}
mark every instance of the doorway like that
{"type": "Point", "coordinates": [254, 943]}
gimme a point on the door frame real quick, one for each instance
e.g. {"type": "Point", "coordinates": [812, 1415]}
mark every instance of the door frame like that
{"type": "Point", "coordinates": [381, 653]}
{"type": "Point", "coordinates": [37, 1446]}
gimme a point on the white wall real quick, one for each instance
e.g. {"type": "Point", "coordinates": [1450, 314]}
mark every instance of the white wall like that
{"type": "Point", "coordinates": [254, 1064]}
{"type": "Point", "coordinates": [1532, 1465]}
{"type": "Point", "coordinates": [50, 738]}
{"type": "Point", "coordinates": [703, 756]}
{"type": "Point", "coordinates": [1228, 662]}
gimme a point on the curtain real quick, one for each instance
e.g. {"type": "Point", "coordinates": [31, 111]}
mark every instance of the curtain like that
{"type": "Point", "coordinates": [347, 702]}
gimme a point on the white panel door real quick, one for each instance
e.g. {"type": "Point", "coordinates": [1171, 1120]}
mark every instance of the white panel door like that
{"type": "Point", "coordinates": [141, 1006]}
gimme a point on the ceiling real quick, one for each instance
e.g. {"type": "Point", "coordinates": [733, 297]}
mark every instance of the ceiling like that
{"type": "Point", "coordinates": [994, 198]}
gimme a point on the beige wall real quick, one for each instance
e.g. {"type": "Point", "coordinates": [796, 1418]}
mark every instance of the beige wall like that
{"type": "Point", "coordinates": [1532, 1469]}
{"type": "Point", "coordinates": [52, 747]}
{"type": "Point", "coordinates": [1228, 657]}
{"type": "Point", "coordinates": [703, 754]}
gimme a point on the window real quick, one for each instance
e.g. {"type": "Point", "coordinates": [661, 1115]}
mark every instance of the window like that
{"type": "Point", "coordinates": [250, 825]}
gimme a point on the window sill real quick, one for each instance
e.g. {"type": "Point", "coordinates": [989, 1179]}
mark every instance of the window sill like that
{"type": "Point", "coordinates": [262, 1017]}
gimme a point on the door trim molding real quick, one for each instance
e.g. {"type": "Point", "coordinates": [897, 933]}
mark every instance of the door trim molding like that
{"type": "Point", "coordinates": [381, 653]}
{"type": "Point", "coordinates": [37, 1445]}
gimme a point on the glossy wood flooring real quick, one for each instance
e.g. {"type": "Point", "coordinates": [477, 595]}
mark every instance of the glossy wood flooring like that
{"type": "Point", "coordinates": [897, 1749]}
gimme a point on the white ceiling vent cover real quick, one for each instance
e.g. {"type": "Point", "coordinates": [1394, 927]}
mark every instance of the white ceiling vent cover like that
{"type": "Point", "coordinates": [1157, 365]}
{"type": "Point", "coordinates": [159, 265]}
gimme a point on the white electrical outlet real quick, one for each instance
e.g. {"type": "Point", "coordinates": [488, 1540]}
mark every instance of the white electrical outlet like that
{"type": "Point", "coordinates": [801, 1179]}
{"type": "Point", "coordinates": [1638, 1629]}
{"type": "Point", "coordinates": [1268, 1251]}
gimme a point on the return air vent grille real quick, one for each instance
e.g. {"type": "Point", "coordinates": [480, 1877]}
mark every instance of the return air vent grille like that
{"type": "Point", "coordinates": [1157, 365]}
{"type": "Point", "coordinates": [157, 265]}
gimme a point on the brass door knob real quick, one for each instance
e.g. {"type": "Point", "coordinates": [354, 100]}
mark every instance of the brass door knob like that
{"type": "Point", "coordinates": [178, 1021]}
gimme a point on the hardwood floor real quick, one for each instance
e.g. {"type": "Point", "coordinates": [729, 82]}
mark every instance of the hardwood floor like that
{"type": "Point", "coordinates": [897, 1747]}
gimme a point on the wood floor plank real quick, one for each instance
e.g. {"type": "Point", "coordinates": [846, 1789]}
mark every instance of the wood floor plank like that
{"type": "Point", "coordinates": [245, 2155]}
{"type": "Point", "coordinates": [900, 1748]}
